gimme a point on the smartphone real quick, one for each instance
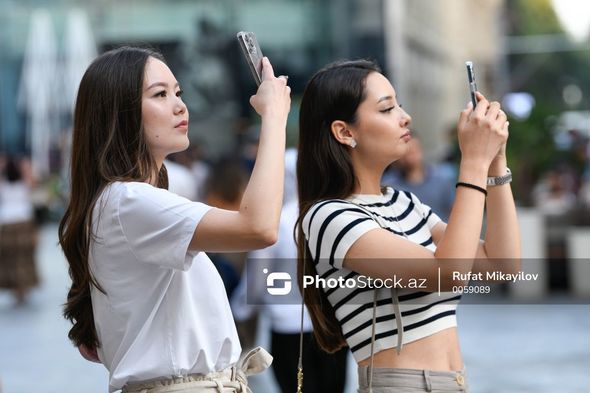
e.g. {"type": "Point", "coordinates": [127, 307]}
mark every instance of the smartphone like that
{"type": "Point", "coordinates": [471, 80]}
{"type": "Point", "coordinates": [252, 53]}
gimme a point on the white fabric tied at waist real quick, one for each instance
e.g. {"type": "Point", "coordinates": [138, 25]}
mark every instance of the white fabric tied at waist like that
{"type": "Point", "coordinates": [231, 380]}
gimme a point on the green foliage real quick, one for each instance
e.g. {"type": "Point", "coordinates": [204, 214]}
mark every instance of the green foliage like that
{"type": "Point", "coordinates": [531, 17]}
{"type": "Point", "coordinates": [532, 141]}
{"type": "Point", "coordinates": [531, 148]}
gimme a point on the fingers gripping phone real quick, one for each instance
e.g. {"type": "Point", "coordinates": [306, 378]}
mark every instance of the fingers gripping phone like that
{"type": "Point", "coordinates": [471, 80]}
{"type": "Point", "coordinates": [252, 53]}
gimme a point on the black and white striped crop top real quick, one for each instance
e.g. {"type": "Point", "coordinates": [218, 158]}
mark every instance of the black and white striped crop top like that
{"type": "Point", "coordinates": [332, 226]}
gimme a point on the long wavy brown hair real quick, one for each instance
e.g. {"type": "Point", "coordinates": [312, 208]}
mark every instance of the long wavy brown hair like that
{"type": "Point", "coordinates": [108, 145]}
{"type": "Point", "coordinates": [325, 171]}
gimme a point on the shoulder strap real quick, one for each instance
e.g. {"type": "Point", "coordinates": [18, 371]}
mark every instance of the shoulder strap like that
{"type": "Point", "coordinates": [396, 310]}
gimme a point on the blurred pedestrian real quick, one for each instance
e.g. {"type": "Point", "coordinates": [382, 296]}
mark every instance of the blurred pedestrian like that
{"type": "Point", "coordinates": [224, 188]}
{"type": "Point", "coordinates": [402, 333]}
{"type": "Point", "coordinates": [181, 180]}
{"type": "Point", "coordinates": [145, 299]}
{"type": "Point", "coordinates": [18, 232]}
{"type": "Point", "coordinates": [433, 186]}
{"type": "Point", "coordinates": [553, 195]}
{"type": "Point", "coordinates": [192, 158]}
{"type": "Point", "coordinates": [324, 372]}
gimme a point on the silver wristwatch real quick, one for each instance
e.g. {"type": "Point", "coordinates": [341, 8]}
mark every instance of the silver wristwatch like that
{"type": "Point", "coordinates": [499, 180]}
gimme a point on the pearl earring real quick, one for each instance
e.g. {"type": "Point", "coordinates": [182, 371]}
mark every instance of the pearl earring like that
{"type": "Point", "coordinates": [353, 143]}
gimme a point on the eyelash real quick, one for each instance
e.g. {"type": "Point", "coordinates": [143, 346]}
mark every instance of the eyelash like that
{"type": "Point", "coordinates": [390, 109]}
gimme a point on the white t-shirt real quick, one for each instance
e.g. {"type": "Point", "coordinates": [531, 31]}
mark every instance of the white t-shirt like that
{"type": "Point", "coordinates": [165, 312]}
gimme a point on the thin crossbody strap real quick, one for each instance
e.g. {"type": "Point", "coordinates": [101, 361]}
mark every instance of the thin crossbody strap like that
{"type": "Point", "coordinates": [300, 361]}
{"type": "Point", "coordinates": [373, 340]}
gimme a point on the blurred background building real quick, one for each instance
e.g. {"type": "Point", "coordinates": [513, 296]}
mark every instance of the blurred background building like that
{"type": "Point", "coordinates": [420, 44]}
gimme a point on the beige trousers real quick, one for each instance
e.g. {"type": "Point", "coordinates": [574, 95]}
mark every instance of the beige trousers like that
{"type": "Point", "coordinates": [231, 380]}
{"type": "Point", "coordinates": [401, 380]}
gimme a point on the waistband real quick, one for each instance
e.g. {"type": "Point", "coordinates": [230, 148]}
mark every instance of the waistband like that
{"type": "Point", "coordinates": [231, 379]}
{"type": "Point", "coordinates": [427, 380]}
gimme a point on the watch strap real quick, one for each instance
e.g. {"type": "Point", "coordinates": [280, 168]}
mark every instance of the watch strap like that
{"type": "Point", "coordinates": [499, 180]}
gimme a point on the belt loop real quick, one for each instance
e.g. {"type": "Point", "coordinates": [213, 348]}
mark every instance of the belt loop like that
{"type": "Point", "coordinates": [427, 380]}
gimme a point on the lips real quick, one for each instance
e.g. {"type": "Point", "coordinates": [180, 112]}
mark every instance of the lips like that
{"type": "Point", "coordinates": [406, 135]}
{"type": "Point", "coordinates": [182, 124]}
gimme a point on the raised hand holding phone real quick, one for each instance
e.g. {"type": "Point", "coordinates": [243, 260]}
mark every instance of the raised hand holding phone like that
{"type": "Point", "coordinates": [273, 97]}
{"type": "Point", "coordinates": [482, 132]}
{"type": "Point", "coordinates": [490, 110]}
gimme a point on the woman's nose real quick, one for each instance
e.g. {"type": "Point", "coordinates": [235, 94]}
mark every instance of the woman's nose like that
{"type": "Point", "coordinates": [406, 119]}
{"type": "Point", "coordinates": [180, 106]}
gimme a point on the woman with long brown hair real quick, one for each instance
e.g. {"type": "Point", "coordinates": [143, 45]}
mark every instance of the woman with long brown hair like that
{"type": "Point", "coordinates": [145, 299]}
{"type": "Point", "coordinates": [371, 255]}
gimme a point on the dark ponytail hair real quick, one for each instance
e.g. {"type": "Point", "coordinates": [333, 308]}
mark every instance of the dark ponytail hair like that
{"type": "Point", "coordinates": [108, 145]}
{"type": "Point", "coordinates": [325, 171]}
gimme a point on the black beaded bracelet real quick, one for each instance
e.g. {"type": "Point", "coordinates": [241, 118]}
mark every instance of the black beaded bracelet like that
{"type": "Point", "coordinates": [473, 186]}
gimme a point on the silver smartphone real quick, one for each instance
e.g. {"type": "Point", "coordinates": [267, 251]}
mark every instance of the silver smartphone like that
{"type": "Point", "coordinates": [471, 80]}
{"type": "Point", "coordinates": [252, 53]}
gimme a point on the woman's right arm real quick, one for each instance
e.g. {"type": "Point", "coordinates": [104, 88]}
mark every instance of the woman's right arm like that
{"type": "Point", "coordinates": [255, 224]}
{"type": "Point", "coordinates": [381, 254]}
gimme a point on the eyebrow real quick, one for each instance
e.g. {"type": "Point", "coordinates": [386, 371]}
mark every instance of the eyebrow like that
{"type": "Point", "coordinates": [384, 99]}
{"type": "Point", "coordinates": [163, 84]}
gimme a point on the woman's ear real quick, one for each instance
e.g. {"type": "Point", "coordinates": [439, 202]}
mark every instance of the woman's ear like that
{"type": "Point", "coordinates": [342, 133]}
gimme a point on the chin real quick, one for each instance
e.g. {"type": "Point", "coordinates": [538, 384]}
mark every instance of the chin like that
{"type": "Point", "coordinates": [405, 148]}
{"type": "Point", "coordinates": [399, 151]}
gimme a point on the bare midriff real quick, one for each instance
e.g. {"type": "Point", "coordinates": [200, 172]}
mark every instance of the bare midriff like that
{"type": "Point", "coordinates": [440, 352]}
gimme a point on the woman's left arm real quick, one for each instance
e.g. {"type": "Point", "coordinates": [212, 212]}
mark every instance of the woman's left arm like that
{"type": "Point", "coordinates": [502, 237]}
{"type": "Point", "coordinates": [500, 251]}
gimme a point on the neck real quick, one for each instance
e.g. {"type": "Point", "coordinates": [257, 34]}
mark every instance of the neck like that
{"type": "Point", "coordinates": [368, 179]}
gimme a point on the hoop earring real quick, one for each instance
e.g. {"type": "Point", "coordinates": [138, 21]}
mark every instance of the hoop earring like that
{"type": "Point", "coordinates": [352, 143]}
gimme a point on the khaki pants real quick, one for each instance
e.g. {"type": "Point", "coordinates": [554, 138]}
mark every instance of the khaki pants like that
{"type": "Point", "coordinates": [231, 380]}
{"type": "Point", "coordinates": [394, 380]}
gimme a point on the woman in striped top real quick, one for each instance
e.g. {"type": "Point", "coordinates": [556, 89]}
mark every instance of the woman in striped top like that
{"type": "Point", "coordinates": [378, 263]}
